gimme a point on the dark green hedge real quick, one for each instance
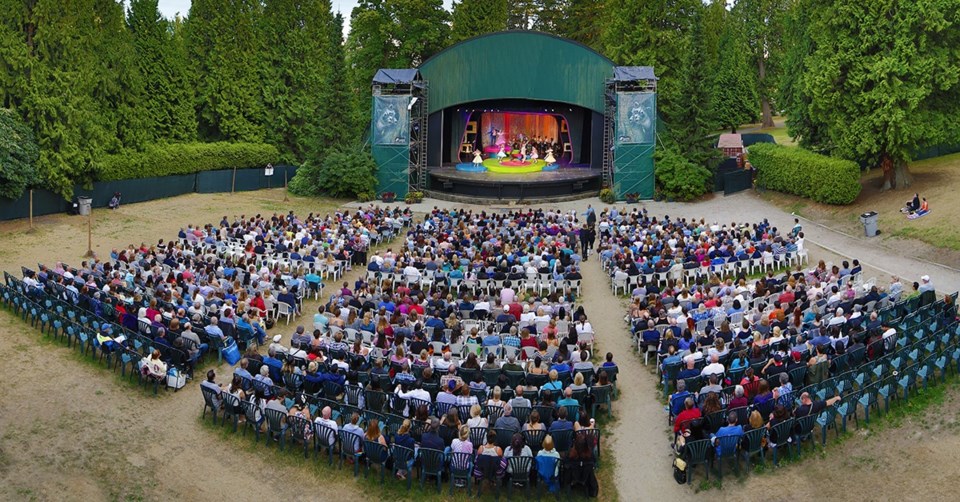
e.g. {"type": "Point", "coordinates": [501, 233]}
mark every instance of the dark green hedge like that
{"type": "Point", "coordinates": [802, 172]}
{"type": "Point", "coordinates": [184, 158]}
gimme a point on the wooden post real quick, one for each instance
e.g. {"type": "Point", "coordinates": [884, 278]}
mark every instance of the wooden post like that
{"type": "Point", "coordinates": [233, 184]}
{"type": "Point", "coordinates": [89, 253]}
{"type": "Point", "coordinates": [31, 209]}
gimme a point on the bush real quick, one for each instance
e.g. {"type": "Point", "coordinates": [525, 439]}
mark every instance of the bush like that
{"type": "Point", "coordinates": [804, 173]}
{"type": "Point", "coordinates": [678, 178]}
{"type": "Point", "coordinates": [18, 155]}
{"type": "Point", "coordinates": [343, 172]}
{"type": "Point", "coordinates": [184, 158]}
{"type": "Point", "coordinates": [607, 196]}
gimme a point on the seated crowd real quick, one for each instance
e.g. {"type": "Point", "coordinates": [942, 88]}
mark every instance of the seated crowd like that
{"type": "Point", "coordinates": [450, 343]}
{"type": "Point", "coordinates": [214, 286]}
{"type": "Point", "coordinates": [743, 354]}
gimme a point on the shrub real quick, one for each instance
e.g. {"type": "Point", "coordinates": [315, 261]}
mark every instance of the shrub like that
{"type": "Point", "coordinates": [607, 196]}
{"type": "Point", "coordinates": [678, 178]}
{"type": "Point", "coordinates": [18, 155]}
{"type": "Point", "coordinates": [801, 172]}
{"type": "Point", "coordinates": [343, 172]}
{"type": "Point", "coordinates": [184, 158]}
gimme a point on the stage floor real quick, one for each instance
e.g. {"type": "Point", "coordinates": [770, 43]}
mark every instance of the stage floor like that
{"type": "Point", "coordinates": [564, 174]}
{"type": "Point", "coordinates": [564, 181]}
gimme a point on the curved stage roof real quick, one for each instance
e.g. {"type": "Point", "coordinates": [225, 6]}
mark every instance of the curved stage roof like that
{"type": "Point", "coordinates": [517, 64]}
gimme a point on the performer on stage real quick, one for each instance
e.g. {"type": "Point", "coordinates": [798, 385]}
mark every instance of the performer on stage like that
{"type": "Point", "coordinates": [477, 158]}
{"type": "Point", "coordinates": [501, 154]}
{"type": "Point", "coordinates": [534, 154]}
{"type": "Point", "coordinates": [501, 139]}
{"type": "Point", "coordinates": [549, 159]}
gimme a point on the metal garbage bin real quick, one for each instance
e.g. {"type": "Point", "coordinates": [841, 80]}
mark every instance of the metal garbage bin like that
{"type": "Point", "coordinates": [869, 220]}
{"type": "Point", "coordinates": [83, 205]}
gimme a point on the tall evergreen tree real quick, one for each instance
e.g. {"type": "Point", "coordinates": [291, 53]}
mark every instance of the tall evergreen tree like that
{"type": "Point", "coordinates": [521, 14]}
{"type": "Point", "coordinates": [733, 90]}
{"type": "Point", "coordinates": [691, 129]}
{"type": "Point", "coordinates": [297, 63]}
{"type": "Point", "coordinates": [422, 29]}
{"type": "Point", "coordinates": [225, 45]}
{"type": "Point", "coordinates": [335, 126]}
{"type": "Point", "coordinates": [160, 58]}
{"type": "Point", "coordinates": [884, 79]}
{"type": "Point", "coordinates": [476, 17]}
{"type": "Point", "coordinates": [582, 22]}
{"type": "Point", "coordinates": [791, 90]}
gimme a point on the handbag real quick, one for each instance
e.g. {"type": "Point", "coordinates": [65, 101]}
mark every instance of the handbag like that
{"type": "Point", "coordinates": [175, 379]}
{"type": "Point", "coordinates": [231, 353]}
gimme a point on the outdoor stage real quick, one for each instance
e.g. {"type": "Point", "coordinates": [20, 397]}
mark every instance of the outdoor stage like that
{"type": "Point", "coordinates": [562, 182]}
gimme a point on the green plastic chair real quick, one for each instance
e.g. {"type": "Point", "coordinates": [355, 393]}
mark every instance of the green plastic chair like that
{"type": "Point", "coordinates": [752, 444]}
{"type": "Point", "coordinates": [697, 453]}
{"type": "Point", "coordinates": [431, 464]}
{"type": "Point", "coordinates": [375, 453]}
{"type": "Point", "coordinates": [783, 433]}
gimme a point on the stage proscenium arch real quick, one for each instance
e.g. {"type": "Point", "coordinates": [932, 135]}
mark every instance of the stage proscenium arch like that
{"type": "Point", "coordinates": [515, 115]}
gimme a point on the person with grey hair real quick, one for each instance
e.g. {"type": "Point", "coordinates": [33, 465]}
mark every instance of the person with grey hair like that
{"type": "Point", "coordinates": [326, 420]}
{"type": "Point", "coordinates": [518, 399]}
{"type": "Point", "coordinates": [739, 398]}
{"type": "Point", "coordinates": [508, 421]}
{"type": "Point", "coordinates": [713, 386]}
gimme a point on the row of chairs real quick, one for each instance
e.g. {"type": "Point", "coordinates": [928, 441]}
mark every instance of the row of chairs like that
{"type": "Point", "coordinates": [432, 465]}
{"type": "Point", "coordinates": [921, 357]}
{"type": "Point", "coordinates": [67, 323]}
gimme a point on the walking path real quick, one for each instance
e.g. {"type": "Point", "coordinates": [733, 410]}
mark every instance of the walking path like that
{"type": "Point", "coordinates": [639, 435]}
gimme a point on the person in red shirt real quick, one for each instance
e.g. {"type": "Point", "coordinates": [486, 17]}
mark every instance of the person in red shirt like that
{"type": "Point", "coordinates": [690, 412]}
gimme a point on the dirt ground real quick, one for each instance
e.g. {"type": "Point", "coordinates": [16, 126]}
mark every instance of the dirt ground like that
{"type": "Point", "coordinates": [69, 430]}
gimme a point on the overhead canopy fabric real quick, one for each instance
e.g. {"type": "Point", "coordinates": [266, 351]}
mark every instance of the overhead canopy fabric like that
{"type": "Point", "coordinates": [633, 73]}
{"type": "Point", "coordinates": [517, 65]}
{"type": "Point", "coordinates": [394, 76]}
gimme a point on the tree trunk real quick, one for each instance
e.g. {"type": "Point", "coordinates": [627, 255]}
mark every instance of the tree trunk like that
{"type": "Point", "coordinates": [896, 175]}
{"type": "Point", "coordinates": [766, 115]}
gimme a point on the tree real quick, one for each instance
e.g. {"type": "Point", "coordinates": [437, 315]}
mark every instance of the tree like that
{"type": "Point", "coordinates": [521, 14]}
{"type": "Point", "coordinates": [394, 34]}
{"type": "Point", "coordinates": [792, 95]}
{"type": "Point", "coordinates": [651, 34]}
{"type": "Point", "coordinates": [298, 57]}
{"type": "Point", "coordinates": [18, 155]}
{"type": "Point", "coordinates": [884, 79]}
{"type": "Point", "coordinates": [582, 22]}
{"type": "Point", "coordinates": [160, 58]}
{"type": "Point", "coordinates": [691, 130]}
{"type": "Point", "coordinates": [224, 45]}
{"type": "Point", "coordinates": [734, 91]}
{"type": "Point", "coordinates": [763, 25]}
{"type": "Point", "coordinates": [476, 17]}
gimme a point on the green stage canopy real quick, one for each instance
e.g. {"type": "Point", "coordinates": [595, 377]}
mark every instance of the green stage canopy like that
{"type": "Point", "coordinates": [517, 64]}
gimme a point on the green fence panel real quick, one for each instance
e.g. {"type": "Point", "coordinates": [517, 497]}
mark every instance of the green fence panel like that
{"type": "Point", "coordinates": [633, 171]}
{"type": "Point", "coordinates": [393, 165]}
{"type": "Point", "coordinates": [145, 189]}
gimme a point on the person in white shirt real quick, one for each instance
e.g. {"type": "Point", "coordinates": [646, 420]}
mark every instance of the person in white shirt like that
{"type": "Point", "coordinates": [325, 420]}
{"type": "Point", "coordinates": [714, 368]}
{"type": "Point", "coordinates": [838, 318]}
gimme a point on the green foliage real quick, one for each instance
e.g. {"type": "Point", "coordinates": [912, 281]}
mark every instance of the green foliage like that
{"type": "Point", "coordinates": [763, 27]}
{"type": "Point", "coordinates": [161, 58]}
{"type": "Point", "coordinates": [343, 172]}
{"type": "Point", "coordinates": [391, 34]}
{"type": "Point", "coordinates": [476, 17]}
{"type": "Point", "coordinates": [651, 34]}
{"type": "Point", "coordinates": [18, 155]}
{"type": "Point", "coordinates": [607, 196]}
{"type": "Point", "coordinates": [734, 92]}
{"type": "Point", "coordinates": [679, 178]}
{"type": "Point", "coordinates": [802, 172]}
{"type": "Point", "coordinates": [166, 160]}
{"type": "Point", "coordinates": [224, 41]}
{"type": "Point", "coordinates": [877, 79]}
